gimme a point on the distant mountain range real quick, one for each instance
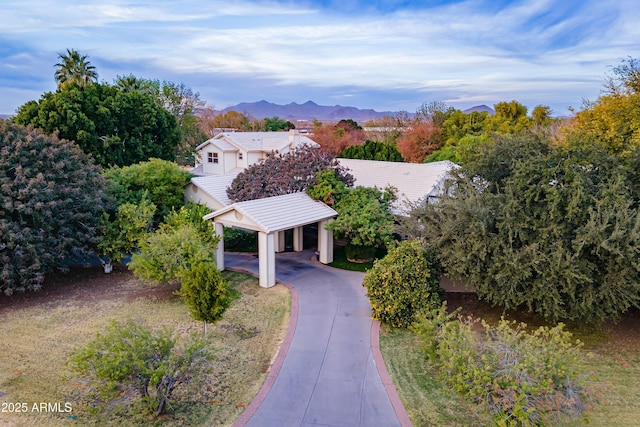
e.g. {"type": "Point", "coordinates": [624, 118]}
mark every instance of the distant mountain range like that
{"type": "Point", "coordinates": [310, 110]}
{"type": "Point", "coordinates": [307, 111]}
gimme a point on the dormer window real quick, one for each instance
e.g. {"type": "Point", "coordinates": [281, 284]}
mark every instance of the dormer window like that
{"type": "Point", "coordinates": [212, 157]}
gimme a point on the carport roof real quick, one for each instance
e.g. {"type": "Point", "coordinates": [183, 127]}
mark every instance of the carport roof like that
{"type": "Point", "coordinates": [274, 213]}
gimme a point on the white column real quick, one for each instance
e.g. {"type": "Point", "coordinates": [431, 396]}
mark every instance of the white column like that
{"type": "Point", "coordinates": [297, 239]}
{"type": "Point", "coordinates": [325, 243]}
{"type": "Point", "coordinates": [279, 241]}
{"type": "Point", "coordinates": [219, 229]}
{"type": "Point", "coordinates": [267, 259]}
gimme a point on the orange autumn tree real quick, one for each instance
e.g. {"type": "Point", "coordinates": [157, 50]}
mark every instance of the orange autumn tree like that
{"type": "Point", "coordinates": [422, 139]}
{"type": "Point", "coordinates": [335, 138]}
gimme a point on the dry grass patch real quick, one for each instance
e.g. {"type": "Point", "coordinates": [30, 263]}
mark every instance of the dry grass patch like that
{"type": "Point", "coordinates": [39, 332]}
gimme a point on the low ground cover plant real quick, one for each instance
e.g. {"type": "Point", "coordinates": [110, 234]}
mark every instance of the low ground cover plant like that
{"type": "Point", "coordinates": [524, 378]}
{"type": "Point", "coordinates": [131, 363]}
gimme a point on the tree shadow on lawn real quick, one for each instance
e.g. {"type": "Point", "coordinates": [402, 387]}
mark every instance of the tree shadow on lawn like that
{"type": "Point", "coordinates": [87, 285]}
{"type": "Point", "coordinates": [623, 333]}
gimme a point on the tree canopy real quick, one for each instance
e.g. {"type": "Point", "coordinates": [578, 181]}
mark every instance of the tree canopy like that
{"type": "Point", "coordinates": [52, 198]}
{"type": "Point", "coordinates": [183, 248]}
{"type": "Point", "coordinates": [275, 124]}
{"type": "Point", "coordinates": [159, 181]}
{"type": "Point", "coordinates": [555, 230]}
{"type": "Point", "coordinates": [403, 284]}
{"type": "Point", "coordinates": [115, 127]}
{"type": "Point", "coordinates": [372, 150]}
{"type": "Point", "coordinates": [364, 219]}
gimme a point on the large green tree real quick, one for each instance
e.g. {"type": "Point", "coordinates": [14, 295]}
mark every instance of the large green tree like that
{"type": "Point", "coordinates": [52, 197]}
{"type": "Point", "coordinates": [372, 150]}
{"type": "Point", "coordinates": [364, 220]}
{"type": "Point", "coordinates": [510, 118]}
{"type": "Point", "coordinates": [534, 226]}
{"type": "Point", "coordinates": [115, 127]}
{"type": "Point", "coordinates": [275, 124]}
{"type": "Point", "coordinates": [74, 68]}
{"type": "Point", "coordinates": [159, 181]}
{"type": "Point", "coordinates": [177, 98]}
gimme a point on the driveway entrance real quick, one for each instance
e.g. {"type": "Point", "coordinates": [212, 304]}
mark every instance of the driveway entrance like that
{"type": "Point", "coordinates": [329, 375]}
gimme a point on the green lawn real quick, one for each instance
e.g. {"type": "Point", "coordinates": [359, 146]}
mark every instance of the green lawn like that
{"type": "Point", "coordinates": [340, 260]}
{"type": "Point", "coordinates": [426, 401]}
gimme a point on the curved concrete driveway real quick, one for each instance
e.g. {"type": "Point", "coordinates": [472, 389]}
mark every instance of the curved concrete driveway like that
{"type": "Point", "coordinates": [327, 371]}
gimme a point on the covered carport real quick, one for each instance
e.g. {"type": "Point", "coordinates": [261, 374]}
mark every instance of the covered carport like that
{"type": "Point", "coordinates": [271, 217]}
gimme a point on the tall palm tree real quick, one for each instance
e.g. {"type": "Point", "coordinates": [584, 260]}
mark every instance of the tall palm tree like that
{"type": "Point", "coordinates": [132, 83]}
{"type": "Point", "coordinates": [74, 68]}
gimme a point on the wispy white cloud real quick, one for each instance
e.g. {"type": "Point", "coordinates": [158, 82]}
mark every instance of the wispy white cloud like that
{"type": "Point", "coordinates": [536, 51]}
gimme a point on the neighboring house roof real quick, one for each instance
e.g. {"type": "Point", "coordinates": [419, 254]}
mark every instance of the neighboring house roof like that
{"type": "Point", "coordinates": [257, 141]}
{"type": "Point", "coordinates": [275, 213]}
{"type": "Point", "coordinates": [215, 186]}
{"type": "Point", "coordinates": [414, 181]}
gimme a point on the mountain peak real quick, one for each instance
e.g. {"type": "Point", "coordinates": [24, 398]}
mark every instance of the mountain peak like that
{"type": "Point", "coordinates": [480, 108]}
{"type": "Point", "coordinates": [307, 111]}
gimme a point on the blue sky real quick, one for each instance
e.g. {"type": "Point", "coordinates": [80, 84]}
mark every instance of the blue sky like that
{"type": "Point", "coordinates": [387, 55]}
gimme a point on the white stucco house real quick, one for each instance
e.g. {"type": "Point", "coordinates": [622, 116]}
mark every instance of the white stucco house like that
{"type": "Point", "coordinates": [222, 157]}
{"type": "Point", "coordinates": [225, 155]}
{"type": "Point", "coordinates": [231, 152]}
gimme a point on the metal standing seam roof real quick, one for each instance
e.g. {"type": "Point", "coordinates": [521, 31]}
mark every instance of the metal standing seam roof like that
{"type": "Point", "coordinates": [215, 186]}
{"type": "Point", "coordinates": [280, 212]}
{"type": "Point", "coordinates": [255, 141]}
{"type": "Point", "coordinates": [414, 181]}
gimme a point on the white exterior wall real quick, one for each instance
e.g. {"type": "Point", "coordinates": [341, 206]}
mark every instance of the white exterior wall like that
{"type": "Point", "coordinates": [280, 241]}
{"type": "Point", "coordinates": [241, 163]}
{"type": "Point", "coordinates": [253, 157]}
{"type": "Point", "coordinates": [229, 161]}
{"type": "Point", "coordinates": [212, 168]}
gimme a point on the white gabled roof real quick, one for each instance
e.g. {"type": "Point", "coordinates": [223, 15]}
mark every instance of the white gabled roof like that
{"type": "Point", "coordinates": [274, 213]}
{"type": "Point", "coordinates": [215, 186]}
{"type": "Point", "coordinates": [257, 141]}
{"type": "Point", "coordinates": [222, 144]}
{"type": "Point", "coordinates": [414, 181]}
